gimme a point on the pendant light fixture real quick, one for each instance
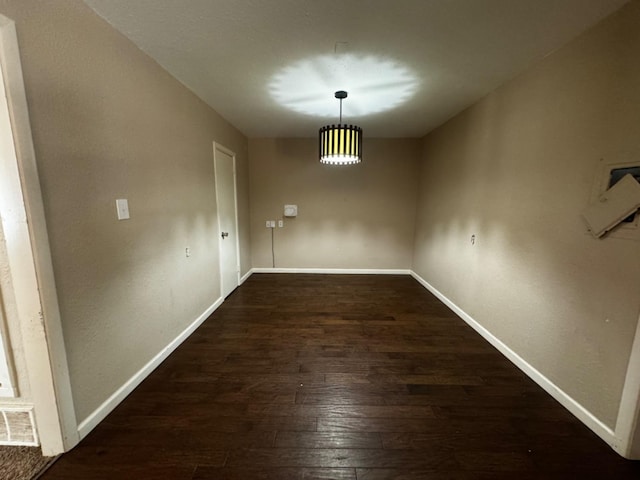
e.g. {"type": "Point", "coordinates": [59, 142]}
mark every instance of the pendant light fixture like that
{"type": "Point", "coordinates": [340, 144]}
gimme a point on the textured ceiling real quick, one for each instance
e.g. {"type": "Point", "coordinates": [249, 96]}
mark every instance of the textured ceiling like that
{"type": "Point", "coordinates": [271, 67]}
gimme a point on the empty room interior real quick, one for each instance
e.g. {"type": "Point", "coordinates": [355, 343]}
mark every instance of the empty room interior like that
{"type": "Point", "coordinates": [161, 178]}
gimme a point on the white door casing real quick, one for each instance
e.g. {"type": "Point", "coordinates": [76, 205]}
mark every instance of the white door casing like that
{"type": "Point", "coordinates": [28, 259]}
{"type": "Point", "coordinates": [226, 201]}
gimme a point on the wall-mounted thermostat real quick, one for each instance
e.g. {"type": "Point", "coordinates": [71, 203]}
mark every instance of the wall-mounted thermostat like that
{"type": "Point", "coordinates": [290, 210]}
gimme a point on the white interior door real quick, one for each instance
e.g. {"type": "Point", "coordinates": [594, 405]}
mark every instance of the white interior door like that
{"type": "Point", "coordinates": [225, 171]}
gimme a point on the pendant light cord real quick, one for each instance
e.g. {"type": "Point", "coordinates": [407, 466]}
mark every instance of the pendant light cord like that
{"type": "Point", "coordinates": [341, 95]}
{"type": "Point", "coordinates": [273, 251]}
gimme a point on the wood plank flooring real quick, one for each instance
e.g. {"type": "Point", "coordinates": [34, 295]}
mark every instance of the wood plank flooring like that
{"type": "Point", "coordinates": [338, 377]}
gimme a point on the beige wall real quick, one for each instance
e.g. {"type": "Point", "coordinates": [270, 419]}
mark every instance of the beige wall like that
{"type": "Point", "coordinates": [516, 170]}
{"type": "Point", "coordinates": [109, 123]}
{"type": "Point", "coordinates": [358, 216]}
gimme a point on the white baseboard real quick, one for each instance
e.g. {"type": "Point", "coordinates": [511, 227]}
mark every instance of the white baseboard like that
{"type": "Point", "coordinates": [586, 417]}
{"type": "Point", "coordinates": [119, 395]}
{"type": "Point", "coordinates": [245, 277]}
{"type": "Point", "coordinates": [339, 271]}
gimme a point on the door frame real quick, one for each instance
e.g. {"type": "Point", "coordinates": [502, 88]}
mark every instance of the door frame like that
{"type": "Point", "coordinates": [29, 256]}
{"type": "Point", "coordinates": [218, 147]}
{"type": "Point", "coordinates": [627, 429]}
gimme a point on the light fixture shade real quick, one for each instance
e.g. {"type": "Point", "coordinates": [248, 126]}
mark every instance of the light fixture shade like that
{"type": "Point", "coordinates": [340, 144]}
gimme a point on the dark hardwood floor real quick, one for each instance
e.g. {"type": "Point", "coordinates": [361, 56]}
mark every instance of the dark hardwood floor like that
{"type": "Point", "coordinates": [338, 377]}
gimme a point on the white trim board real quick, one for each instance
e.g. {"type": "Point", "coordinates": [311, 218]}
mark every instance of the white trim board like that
{"type": "Point", "coordinates": [625, 439]}
{"type": "Point", "coordinates": [246, 276]}
{"type": "Point", "coordinates": [31, 268]}
{"type": "Point", "coordinates": [621, 445]}
{"type": "Point", "coordinates": [627, 424]}
{"type": "Point", "coordinates": [586, 417]}
{"type": "Point", "coordinates": [119, 395]}
{"type": "Point", "coordinates": [338, 271]}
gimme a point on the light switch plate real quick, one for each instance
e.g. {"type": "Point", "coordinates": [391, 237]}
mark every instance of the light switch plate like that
{"type": "Point", "coordinates": [122, 207]}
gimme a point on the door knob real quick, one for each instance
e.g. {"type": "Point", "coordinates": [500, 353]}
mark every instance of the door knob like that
{"type": "Point", "coordinates": [225, 234]}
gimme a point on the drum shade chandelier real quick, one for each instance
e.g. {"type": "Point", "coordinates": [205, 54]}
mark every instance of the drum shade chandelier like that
{"type": "Point", "coordinates": [340, 144]}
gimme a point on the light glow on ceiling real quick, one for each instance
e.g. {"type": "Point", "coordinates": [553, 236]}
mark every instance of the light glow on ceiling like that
{"type": "Point", "coordinates": [374, 84]}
